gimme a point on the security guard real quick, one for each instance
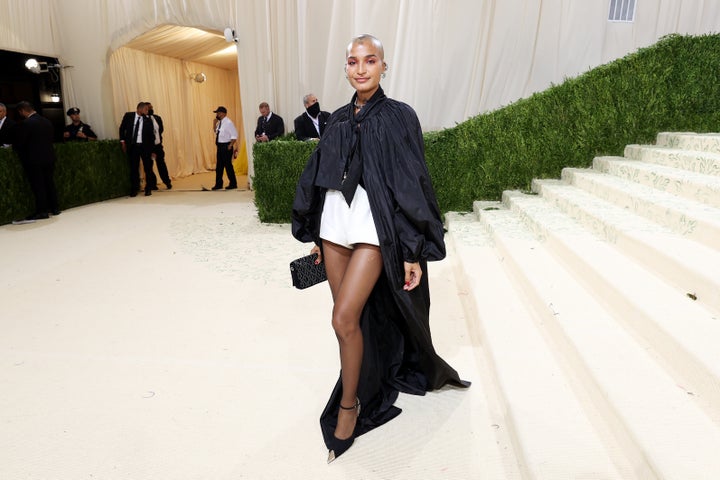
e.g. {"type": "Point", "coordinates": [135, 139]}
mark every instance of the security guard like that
{"type": "Point", "coordinates": [77, 131]}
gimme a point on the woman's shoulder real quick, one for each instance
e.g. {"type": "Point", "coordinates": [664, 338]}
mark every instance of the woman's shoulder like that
{"type": "Point", "coordinates": [399, 113]}
{"type": "Point", "coordinates": [399, 108]}
{"type": "Point", "coordinates": [339, 113]}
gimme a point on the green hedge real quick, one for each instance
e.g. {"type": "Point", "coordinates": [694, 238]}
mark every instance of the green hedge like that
{"type": "Point", "coordinates": [278, 165]}
{"type": "Point", "coordinates": [671, 86]}
{"type": "Point", "coordinates": [84, 173]}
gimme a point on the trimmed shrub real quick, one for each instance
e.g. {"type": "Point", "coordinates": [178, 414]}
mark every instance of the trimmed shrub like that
{"type": "Point", "coordinates": [278, 165]}
{"type": "Point", "coordinates": [84, 173]}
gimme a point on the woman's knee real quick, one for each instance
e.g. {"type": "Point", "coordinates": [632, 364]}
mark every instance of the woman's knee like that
{"type": "Point", "coordinates": [345, 323]}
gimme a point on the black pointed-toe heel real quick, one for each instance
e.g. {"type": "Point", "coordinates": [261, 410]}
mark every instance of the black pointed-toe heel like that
{"type": "Point", "coordinates": [337, 446]}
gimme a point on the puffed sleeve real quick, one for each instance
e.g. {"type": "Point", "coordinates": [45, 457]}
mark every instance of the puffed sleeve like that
{"type": "Point", "coordinates": [417, 218]}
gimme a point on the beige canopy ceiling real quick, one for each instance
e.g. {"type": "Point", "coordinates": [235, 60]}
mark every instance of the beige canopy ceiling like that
{"type": "Point", "coordinates": [187, 43]}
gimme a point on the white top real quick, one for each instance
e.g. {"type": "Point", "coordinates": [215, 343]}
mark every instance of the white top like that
{"type": "Point", "coordinates": [139, 128]}
{"type": "Point", "coordinates": [227, 129]}
{"type": "Point", "coordinates": [2, 120]}
{"type": "Point", "coordinates": [316, 122]}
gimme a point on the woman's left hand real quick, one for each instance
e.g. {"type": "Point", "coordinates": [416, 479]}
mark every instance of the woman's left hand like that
{"type": "Point", "coordinates": [317, 250]}
{"type": "Point", "coordinates": [413, 272]}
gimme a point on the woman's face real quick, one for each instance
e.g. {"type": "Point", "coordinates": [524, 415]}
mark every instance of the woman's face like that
{"type": "Point", "coordinates": [364, 67]}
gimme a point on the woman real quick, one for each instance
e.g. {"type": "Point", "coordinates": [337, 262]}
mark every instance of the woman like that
{"type": "Point", "coordinates": [366, 200]}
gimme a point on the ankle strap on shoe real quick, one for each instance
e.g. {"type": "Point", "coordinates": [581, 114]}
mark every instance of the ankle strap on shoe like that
{"type": "Point", "coordinates": [357, 402]}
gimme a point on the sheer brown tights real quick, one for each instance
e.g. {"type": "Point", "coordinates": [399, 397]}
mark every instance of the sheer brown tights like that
{"type": "Point", "coordinates": [352, 274]}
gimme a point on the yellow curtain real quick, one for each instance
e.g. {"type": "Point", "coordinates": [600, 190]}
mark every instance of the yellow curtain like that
{"type": "Point", "coordinates": [185, 105]}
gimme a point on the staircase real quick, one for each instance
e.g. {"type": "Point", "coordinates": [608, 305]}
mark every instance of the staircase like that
{"type": "Point", "coordinates": [597, 302]}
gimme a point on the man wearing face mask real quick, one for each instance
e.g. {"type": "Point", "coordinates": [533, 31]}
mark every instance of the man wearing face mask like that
{"type": "Point", "coordinates": [310, 125]}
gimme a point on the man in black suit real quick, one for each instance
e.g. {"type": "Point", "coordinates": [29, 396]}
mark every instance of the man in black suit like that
{"type": "Point", "coordinates": [6, 127]}
{"type": "Point", "coordinates": [137, 139]}
{"type": "Point", "coordinates": [269, 125]}
{"type": "Point", "coordinates": [158, 151]}
{"type": "Point", "coordinates": [34, 145]}
{"type": "Point", "coordinates": [311, 124]}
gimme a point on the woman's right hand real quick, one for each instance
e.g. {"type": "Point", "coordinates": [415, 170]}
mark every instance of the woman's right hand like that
{"type": "Point", "coordinates": [316, 249]}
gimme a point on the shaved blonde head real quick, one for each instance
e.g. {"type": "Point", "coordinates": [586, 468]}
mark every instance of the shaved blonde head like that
{"type": "Point", "coordinates": [363, 39]}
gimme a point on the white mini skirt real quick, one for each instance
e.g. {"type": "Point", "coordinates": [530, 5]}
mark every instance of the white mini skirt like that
{"type": "Point", "coordinates": [345, 225]}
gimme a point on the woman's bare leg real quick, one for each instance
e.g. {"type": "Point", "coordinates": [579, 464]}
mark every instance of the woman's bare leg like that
{"type": "Point", "coordinates": [352, 274]}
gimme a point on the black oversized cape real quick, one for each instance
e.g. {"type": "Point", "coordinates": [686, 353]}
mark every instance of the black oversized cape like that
{"type": "Point", "coordinates": [382, 149]}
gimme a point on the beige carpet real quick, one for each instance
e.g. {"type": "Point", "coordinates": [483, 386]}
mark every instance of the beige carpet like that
{"type": "Point", "coordinates": [198, 181]}
{"type": "Point", "coordinates": [160, 338]}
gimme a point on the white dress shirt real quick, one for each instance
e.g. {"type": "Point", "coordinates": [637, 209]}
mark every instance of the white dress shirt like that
{"type": "Point", "coordinates": [227, 131]}
{"type": "Point", "coordinates": [316, 122]}
{"type": "Point", "coordinates": [2, 121]}
{"type": "Point", "coordinates": [138, 139]}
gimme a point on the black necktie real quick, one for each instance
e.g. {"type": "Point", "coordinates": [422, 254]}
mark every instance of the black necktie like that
{"type": "Point", "coordinates": [135, 130]}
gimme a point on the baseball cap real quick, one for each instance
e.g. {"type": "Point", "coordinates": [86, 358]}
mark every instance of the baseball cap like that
{"type": "Point", "coordinates": [220, 109]}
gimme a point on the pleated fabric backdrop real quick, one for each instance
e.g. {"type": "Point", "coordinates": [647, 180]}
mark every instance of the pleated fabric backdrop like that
{"type": "Point", "coordinates": [450, 59]}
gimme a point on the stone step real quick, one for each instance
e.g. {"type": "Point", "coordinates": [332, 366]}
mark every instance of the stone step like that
{"type": "Point", "coordinates": [546, 419]}
{"type": "Point", "coordinates": [690, 160]}
{"type": "Point", "coordinates": [681, 334]}
{"type": "Point", "coordinates": [631, 400]}
{"type": "Point", "coordinates": [700, 142]}
{"type": "Point", "coordinates": [689, 266]}
{"type": "Point", "coordinates": [694, 220]}
{"type": "Point", "coordinates": [691, 185]}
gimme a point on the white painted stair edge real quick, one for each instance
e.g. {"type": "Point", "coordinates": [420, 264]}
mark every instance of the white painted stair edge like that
{"type": "Point", "coordinates": [691, 267]}
{"type": "Point", "coordinates": [681, 334]}
{"type": "Point", "coordinates": [550, 431]}
{"type": "Point", "coordinates": [691, 185]}
{"type": "Point", "coordinates": [634, 406]}
{"type": "Point", "coordinates": [603, 366]}
{"type": "Point", "coordinates": [699, 142]}
{"type": "Point", "coordinates": [688, 218]}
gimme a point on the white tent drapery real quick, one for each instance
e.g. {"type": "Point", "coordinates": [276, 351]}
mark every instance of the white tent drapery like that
{"type": "Point", "coordinates": [450, 59]}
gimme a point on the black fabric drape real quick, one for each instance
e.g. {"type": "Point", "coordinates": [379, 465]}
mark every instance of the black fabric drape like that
{"type": "Point", "coordinates": [382, 148]}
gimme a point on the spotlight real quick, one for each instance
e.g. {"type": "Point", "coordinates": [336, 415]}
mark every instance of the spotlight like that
{"type": "Point", "coordinates": [36, 67]}
{"type": "Point", "coordinates": [42, 67]}
{"type": "Point", "coordinates": [55, 97]}
{"type": "Point", "coordinates": [198, 77]}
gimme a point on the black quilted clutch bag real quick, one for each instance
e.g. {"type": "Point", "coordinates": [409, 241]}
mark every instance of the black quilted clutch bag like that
{"type": "Point", "coordinates": [305, 273]}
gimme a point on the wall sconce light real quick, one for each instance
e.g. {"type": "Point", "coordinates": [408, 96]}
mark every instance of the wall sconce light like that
{"type": "Point", "coordinates": [55, 97]}
{"type": "Point", "coordinates": [198, 77]}
{"type": "Point", "coordinates": [230, 35]}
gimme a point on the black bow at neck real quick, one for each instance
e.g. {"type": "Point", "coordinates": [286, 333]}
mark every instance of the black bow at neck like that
{"type": "Point", "coordinates": [353, 171]}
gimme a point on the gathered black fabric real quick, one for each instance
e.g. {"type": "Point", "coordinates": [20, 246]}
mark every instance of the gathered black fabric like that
{"type": "Point", "coordinates": [382, 149]}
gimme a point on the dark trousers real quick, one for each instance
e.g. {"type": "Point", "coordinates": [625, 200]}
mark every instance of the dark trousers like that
{"type": "Point", "coordinates": [41, 178]}
{"type": "Point", "coordinates": [136, 153]}
{"type": "Point", "coordinates": [224, 162]}
{"type": "Point", "coordinates": [159, 152]}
